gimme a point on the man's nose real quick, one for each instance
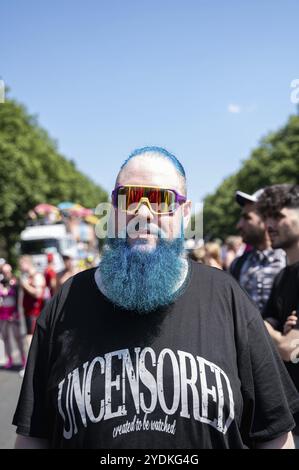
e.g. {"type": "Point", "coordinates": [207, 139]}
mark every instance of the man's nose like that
{"type": "Point", "coordinates": [270, 225]}
{"type": "Point", "coordinates": [144, 211]}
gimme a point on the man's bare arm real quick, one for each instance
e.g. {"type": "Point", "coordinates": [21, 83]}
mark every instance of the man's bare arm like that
{"type": "Point", "coordinates": [24, 442]}
{"type": "Point", "coordinates": [275, 334]}
{"type": "Point", "coordinates": [288, 346]}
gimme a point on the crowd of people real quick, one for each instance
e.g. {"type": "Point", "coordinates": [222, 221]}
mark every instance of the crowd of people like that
{"type": "Point", "coordinates": [219, 254]}
{"type": "Point", "coordinates": [264, 260]}
{"type": "Point", "coordinates": [23, 296]}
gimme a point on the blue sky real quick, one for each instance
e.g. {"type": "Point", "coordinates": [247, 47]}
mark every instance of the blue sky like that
{"type": "Point", "coordinates": [204, 78]}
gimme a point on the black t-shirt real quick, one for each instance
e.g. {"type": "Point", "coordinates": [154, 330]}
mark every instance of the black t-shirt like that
{"type": "Point", "coordinates": [283, 300]}
{"type": "Point", "coordinates": [201, 373]}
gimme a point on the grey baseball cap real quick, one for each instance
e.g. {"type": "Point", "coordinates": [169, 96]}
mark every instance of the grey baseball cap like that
{"type": "Point", "coordinates": [243, 198]}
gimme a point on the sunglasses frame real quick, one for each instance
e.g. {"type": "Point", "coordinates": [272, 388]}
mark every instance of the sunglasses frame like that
{"type": "Point", "coordinates": [179, 198]}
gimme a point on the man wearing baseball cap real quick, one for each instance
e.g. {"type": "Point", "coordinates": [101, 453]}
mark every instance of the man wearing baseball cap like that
{"type": "Point", "coordinates": [256, 269]}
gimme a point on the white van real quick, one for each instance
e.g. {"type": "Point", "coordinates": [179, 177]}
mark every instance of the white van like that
{"type": "Point", "coordinates": [39, 240]}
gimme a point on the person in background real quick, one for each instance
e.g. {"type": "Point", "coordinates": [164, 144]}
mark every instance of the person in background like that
{"type": "Point", "coordinates": [255, 269]}
{"type": "Point", "coordinates": [9, 316]}
{"type": "Point", "coordinates": [233, 248]}
{"type": "Point", "coordinates": [69, 270]}
{"type": "Point", "coordinates": [212, 255]}
{"type": "Point", "coordinates": [2, 263]}
{"type": "Point", "coordinates": [209, 254]}
{"type": "Point", "coordinates": [33, 296]}
{"type": "Point", "coordinates": [198, 254]}
{"type": "Point", "coordinates": [50, 275]}
{"type": "Point", "coordinates": [279, 206]}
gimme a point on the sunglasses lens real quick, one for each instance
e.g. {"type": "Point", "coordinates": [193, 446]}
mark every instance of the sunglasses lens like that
{"type": "Point", "coordinates": [161, 200]}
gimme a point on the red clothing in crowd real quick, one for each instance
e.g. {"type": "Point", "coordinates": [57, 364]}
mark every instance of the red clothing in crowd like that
{"type": "Point", "coordinates": [49, 275]}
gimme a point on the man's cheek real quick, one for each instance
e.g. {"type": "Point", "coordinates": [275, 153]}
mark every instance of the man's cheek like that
{"type": "Point", "coordinates": [171, 229]}
{"type": "Point", "coordinates": [117, 224]}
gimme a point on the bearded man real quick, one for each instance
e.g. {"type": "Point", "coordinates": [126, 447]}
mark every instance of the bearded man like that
{"type": "Point", "coordinates": [151, 350]}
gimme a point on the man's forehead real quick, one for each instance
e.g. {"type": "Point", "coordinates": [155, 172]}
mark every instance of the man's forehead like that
{"type": "Point", "coordinates": [248, 207]}
{"type": "Point", "coordinates": [150, 172]}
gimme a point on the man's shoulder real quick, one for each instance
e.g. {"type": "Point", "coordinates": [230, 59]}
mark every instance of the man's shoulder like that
{"type": "Point", "coordinates": [74, 288]}
{"type": "Point", "coordinates": [211, 274]}
{"type": "Point", "coordinates": [294, 267]}
{"type": "Point", "coordinates": [280, 276]}
{"type": "Point", "coordinates": [238, 262]}
{"type": "Point", "coordinates": [79, 280]}
{"type": "Point", "coordinates": [288, 272]}
{"type": "Point", "coordinates": [222, 283]}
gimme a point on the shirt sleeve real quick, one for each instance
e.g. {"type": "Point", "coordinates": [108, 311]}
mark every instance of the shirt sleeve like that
{"type": "Point", "coordinates": [269, 396]}
{"type": "Point", "coordinates": [31, 417]}
{"type": "Point", "coordinates": [270, 313]}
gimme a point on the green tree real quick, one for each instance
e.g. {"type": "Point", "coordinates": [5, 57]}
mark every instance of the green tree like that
{"type": "Point", "coordinates": [274, 161]}
{"type": "Point", "coordinates": [33, 171]}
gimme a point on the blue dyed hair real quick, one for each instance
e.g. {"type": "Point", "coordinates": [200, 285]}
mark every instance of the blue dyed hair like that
{"type": "Point", "coordinates": [161, 151]}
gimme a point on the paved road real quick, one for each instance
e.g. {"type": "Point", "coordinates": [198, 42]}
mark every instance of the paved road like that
{"type": "Point", "coordinates": [10, 383]}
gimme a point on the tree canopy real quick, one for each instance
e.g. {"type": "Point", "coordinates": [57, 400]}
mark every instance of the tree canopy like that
{"type": "Point", "coordinates": [32, 172]}
{"type": "Point", "coordinates": [274, 161]}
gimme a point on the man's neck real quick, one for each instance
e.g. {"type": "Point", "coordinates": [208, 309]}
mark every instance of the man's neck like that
{"type": "Point", "coordinates": [264, 245]}
{"type": "Point", "coordinates": [293, 253]}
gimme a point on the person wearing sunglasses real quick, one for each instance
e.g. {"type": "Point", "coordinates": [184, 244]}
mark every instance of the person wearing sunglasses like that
{"type": "Point", "coordinates": [151, 350]}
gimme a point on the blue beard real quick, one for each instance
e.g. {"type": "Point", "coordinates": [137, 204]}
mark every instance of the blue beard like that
{"type": "Point", "coordinates": [142, 280]}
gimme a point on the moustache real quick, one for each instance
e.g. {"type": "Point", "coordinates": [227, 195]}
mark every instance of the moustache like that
{"type": "Point", "coordinates": [132, 231]}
